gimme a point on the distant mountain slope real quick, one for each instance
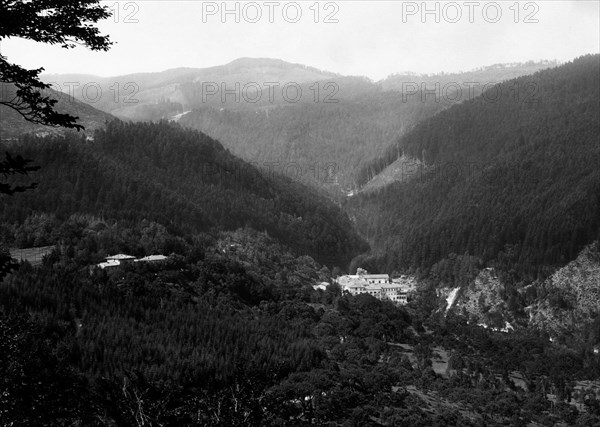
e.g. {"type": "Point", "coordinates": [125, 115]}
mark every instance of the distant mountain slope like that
{"type": "Point", "coordinates": [12, 124]}
{"type": "Point", "coordinates": [152, 96]}
{"type": "Point", "coordinates": [328, 141]}
{"type": "Point", "coordinates": [447, 89]}
{"type": "Point", "coordinates": [403, 169]}
{"type": "Point", "coordinates": [346, 138]}
{"type": "Point", "coordinates": [491, 74]}
{"type": "Point", "coordinates": [181, 179]}
{"type": "Point", "coordinates": [512, 182]}
{"type": "Point", "coordinates": [268, 110]}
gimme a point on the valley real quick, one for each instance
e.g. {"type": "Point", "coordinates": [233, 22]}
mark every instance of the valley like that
{"type": "Point", "coordinates": [338, 124]}
{"type": "Point", "coordinates": [268, 243]}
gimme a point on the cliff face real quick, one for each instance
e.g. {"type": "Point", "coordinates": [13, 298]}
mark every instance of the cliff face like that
{"type": "Point", "coordinates": [481, 301]}
{"type": "Point", "coordinates": [565, 304]}
{"type": "Point", "coordinates": [571, 296]}
{"type": "Point", "coordinates": [566, 301]}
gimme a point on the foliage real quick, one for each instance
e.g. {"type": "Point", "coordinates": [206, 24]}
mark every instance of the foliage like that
{"type": "Point", "coordinates": [54, 22]}
{"type": "Point", "coordinates": [229, 331]}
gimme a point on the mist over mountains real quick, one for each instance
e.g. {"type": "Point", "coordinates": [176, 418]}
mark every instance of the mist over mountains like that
{"type": "Point", "coordinates": [328, 126]}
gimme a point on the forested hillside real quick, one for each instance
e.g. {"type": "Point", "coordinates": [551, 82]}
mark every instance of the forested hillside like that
{"type": "Point", "coordinates": [13, 124]}
{"type": "Point", "coordinates": [340, 125]}
{"type": "Point", "coordinates": [491, 74]}
{"type": "Point", "coordinates": [152, 96]}
{"type": "Point", "coordinates": [448, 89]}
{"type": "Point", "coordinates": [328, 141]}
{"type": "Point", "coordinates": [268, 244]}
{"type": "Point", "coordinates": [181, 179]}
{"type": "Point", "coordinates": [330, 127]}
{"type": "Point", "coordinates": [228, 331]}
{"type": "Point", "coordinates": [513, 182]}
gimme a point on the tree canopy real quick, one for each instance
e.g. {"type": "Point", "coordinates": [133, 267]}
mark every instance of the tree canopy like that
{"type": "Point", "coordinates": [62, 22]}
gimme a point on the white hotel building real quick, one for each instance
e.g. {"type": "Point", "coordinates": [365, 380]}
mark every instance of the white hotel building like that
{"type": "Point", "coordinates": [378, 286]}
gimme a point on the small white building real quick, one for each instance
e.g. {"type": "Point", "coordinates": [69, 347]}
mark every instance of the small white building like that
{"type": "Point", "coordinates": [116, 260]}
{"type": "Point", "coordinates": [322, 286]}
{"type": "Point", "coordinates": [121, 258]}
{"type": "Point", "coordinates": [109, 264]}
{"type": "Point", "coordinates": [152, 258]}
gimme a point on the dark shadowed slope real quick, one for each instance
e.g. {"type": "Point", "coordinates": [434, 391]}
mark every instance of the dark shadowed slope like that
{"type": "Point", "coordinates": [515, 183]}
{"type": "Point", "coordinates": [181, 179]}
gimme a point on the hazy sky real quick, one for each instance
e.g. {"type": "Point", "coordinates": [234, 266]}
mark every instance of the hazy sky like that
{"type": "Point", "coordinates": [372, 38]}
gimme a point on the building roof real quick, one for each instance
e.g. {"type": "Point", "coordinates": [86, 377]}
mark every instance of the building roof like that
{"type": "Point", "coordinates": [376, 276]}
{"type": "Point", "coordinates": [152, 258]}
{"type": "Point", "coordinates": [356, 285]}
{"type": "Point", "coordinates": [120, 257]}
{"type": "Point", "coordinates": [109, 263]}
{"type": "Point", "coordinates": [347, 278]}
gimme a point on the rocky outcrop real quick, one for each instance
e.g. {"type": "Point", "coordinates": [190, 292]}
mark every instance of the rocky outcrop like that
{"type": "Point", "coordinates": [571, 296]}
{"type": "Point", "coordinates": [482, 300]}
